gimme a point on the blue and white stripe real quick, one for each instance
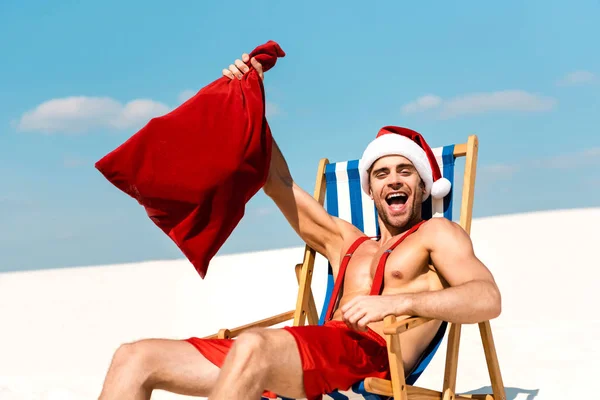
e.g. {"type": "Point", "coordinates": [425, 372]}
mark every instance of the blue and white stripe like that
{"type": "Point", "coordinates": [346, 200]}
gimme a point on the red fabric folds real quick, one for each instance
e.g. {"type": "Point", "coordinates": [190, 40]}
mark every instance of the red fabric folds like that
{"type": "Point", "coordinates": [195, 168]}
{"type": "Point", "coordinates": [333, 356]}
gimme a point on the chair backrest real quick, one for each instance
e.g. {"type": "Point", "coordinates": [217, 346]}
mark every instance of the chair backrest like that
{"type": "Point", "coordinates": [346, 200]}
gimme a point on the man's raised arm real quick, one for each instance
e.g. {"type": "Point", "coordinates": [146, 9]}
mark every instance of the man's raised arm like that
{"type": "Point", "coordinates": [307, 217]}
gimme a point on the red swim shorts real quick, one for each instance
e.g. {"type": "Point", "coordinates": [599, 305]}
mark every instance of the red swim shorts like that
{"type": "Point", "coordinates": [333, 356]}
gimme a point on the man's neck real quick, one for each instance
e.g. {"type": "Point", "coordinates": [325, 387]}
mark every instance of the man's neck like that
{"type": "Point", "coordinates": [390, 232]}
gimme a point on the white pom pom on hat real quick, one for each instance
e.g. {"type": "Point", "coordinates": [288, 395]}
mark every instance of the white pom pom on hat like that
{"type": "Point", "coordinates": [440, 188]}
{"type": "Point", "coordinates": [394, 140]}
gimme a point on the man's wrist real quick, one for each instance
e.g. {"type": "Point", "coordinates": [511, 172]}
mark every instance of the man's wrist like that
{"type": "Point", "coordinates": [405, 304]}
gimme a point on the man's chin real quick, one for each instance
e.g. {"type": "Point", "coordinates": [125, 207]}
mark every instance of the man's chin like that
{"type": "Point", "coordinates": [399, 223]}
{"type": "Point", "coordinates": [397, 220]}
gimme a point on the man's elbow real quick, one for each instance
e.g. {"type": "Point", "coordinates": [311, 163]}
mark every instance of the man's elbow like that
{"type": "Point", "coordinates": [268, 189]}
{"type": "Point", "coordinates": [272, 189]}
{"type": "Point", "coordinates": [270, 185]}
{"type": "Point", "coordinates": [495, 303]}
{"type": "Point", "coordinates": [277, 185]}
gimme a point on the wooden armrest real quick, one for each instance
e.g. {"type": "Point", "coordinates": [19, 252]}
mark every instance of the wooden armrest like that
{"type": "Point", "coordinates": [396, 327]}
{"type": "Point", "coordinates": [263, 323]}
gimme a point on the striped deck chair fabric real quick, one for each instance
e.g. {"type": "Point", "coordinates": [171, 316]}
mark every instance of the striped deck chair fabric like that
{"type": "Point", "coordinates": [346, 200]}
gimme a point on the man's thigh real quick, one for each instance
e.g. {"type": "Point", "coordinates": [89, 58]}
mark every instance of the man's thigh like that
{"type": "Point", "coordinates": [274, 352]}
{"type": "Point", "coordinates": [285, 377]}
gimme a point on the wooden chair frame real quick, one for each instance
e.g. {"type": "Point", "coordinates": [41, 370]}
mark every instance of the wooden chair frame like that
{"type": "Point", "coordinates": [306, 311]}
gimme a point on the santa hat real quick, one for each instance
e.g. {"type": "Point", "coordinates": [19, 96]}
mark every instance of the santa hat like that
{"type": "Point", "coordinates": [394, 140]}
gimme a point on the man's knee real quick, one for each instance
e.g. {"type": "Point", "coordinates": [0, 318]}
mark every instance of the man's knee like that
{"type": "Point", "coordinates": [134, 356]}
{"type": "Point", "coordinates": [252, 341]}
{"type": "Point", "coordinates": [252, 347]}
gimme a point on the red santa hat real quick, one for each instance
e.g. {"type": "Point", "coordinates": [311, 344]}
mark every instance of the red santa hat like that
{"type": "Point", "coordinates": [394, 140]}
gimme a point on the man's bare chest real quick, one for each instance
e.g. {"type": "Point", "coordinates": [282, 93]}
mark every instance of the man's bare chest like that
{"type": "Point", "coordinates": [405, 264]}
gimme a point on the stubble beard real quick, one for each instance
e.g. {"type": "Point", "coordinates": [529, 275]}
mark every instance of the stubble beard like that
{"type": "Point", "coordinates": [402, 222]}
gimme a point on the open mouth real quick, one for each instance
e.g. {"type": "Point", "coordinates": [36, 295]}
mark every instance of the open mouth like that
{"type": "Point", "coordinates": [396, 200]}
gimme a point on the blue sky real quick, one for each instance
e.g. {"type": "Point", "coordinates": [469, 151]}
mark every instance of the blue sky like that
{"type": "Point", "coordinates": [78, 78]}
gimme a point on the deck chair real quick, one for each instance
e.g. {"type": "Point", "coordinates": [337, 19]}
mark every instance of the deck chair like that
{"type": "Point", "coordinates": [339, 183]}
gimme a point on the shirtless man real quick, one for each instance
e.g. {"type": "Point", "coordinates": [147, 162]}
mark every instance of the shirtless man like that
{"type": "Point", "coordinates": [432, 273]}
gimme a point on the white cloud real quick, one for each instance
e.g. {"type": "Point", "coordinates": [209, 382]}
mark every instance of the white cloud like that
{"type": "Point", "coordinates": [137, 112]}
{"type": "Point", "coordinates": [186, 95]}
{"type": "Point", "coordinates": [577, 159]}
{"type": "Point", "coordinates": [262, 211]}
{"type": "Point", "coordinates": [421, 104]}
{"type": "Point", "coordinates": [506, 100]}
{"type": "Point", "coordinates": [490, 175]}
{"type": "Point", "coordinates": [577, 78]}
{"type": "Point", "coordinates": [499, 171]}
{"type": "Point", "coordinates": [80, 114]}
{"type": "Point", "coordinates": [272, 109]}
{"type": "Point", "coordinates": [479, 103]}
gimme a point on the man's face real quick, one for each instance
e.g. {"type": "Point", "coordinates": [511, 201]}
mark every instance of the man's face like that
{"type": "Point", "coordinates": [397, 190]}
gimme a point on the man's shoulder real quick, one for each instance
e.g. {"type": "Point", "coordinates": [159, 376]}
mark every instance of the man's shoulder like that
{"type": "Point", "coordinates": [440, 229]}
{"type": "Point", "coordinates": [439, 224]}
{"type": "Point", "coordinates": [348, 230]}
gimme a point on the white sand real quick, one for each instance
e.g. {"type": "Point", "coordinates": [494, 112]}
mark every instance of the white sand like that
{"type": "Point", "coordinates": [59, 328]}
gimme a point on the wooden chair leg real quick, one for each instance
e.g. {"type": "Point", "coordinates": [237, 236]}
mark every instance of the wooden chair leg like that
{"type": "Point", "coordinates": [491, 358]}
{"type": "Point", "coordinates": [311, 309]}
{"type": "Point", "coordinates": [304, 291]}
{"type": "Point", "coordinates": [449, 391]}
{"type": "Point", "coordinates": [396, 364]}
{"type": "Point", "coordinates": [466, 214]}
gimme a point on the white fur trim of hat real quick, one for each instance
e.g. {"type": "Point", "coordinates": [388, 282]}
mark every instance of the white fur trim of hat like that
{"type": "Point", "coordinates": [397, 144]}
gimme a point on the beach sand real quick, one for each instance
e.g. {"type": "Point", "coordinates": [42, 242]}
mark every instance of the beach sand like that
{"type": "Point", "coordinates": [60, 327]}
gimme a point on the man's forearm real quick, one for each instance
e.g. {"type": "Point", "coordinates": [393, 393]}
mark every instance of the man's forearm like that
{"type": "Point", "coordinates": [472, 302]}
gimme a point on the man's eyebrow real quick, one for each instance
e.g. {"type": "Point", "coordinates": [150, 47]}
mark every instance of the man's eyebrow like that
{"type": "Point", "coordinates": [403, 165]}
{"type": "Point", "coordinates": [380, 170]}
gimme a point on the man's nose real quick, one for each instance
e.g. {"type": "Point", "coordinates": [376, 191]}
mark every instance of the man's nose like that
{"type": "Point", "coordinates": [395, 182]}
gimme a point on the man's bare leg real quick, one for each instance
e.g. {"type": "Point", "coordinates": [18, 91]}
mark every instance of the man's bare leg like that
{"type": "Point", "coordinates": [177, 366]}
{"type": "Point", "coordinates": [261, 360]}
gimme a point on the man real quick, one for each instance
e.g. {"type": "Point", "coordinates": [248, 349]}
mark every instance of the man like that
{"type": "Point", "coordinates": [430, 271]}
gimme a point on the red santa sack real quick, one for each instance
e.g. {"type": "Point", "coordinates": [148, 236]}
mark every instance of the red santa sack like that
{"type": "Point", "coordinates": [195, 168]}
